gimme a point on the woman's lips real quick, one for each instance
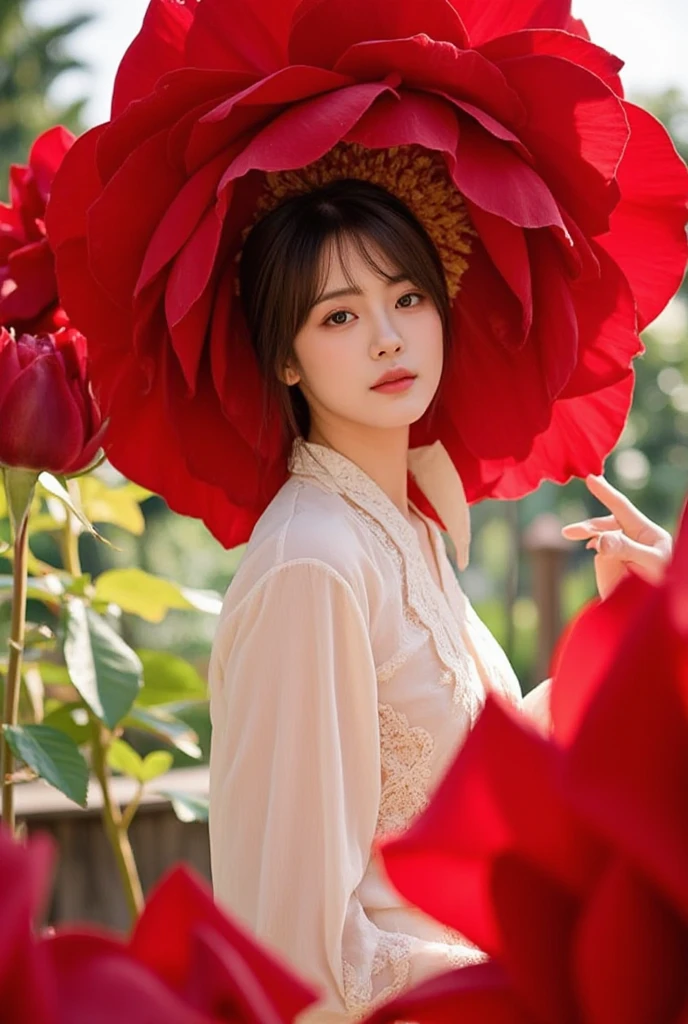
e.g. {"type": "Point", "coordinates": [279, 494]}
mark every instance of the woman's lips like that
{"type": "Point", "coordinates": [392, 386]}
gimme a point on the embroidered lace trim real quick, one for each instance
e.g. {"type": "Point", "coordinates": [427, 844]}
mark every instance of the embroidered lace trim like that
{"type": "Point", "coordinates": [393, 952]}
{"type": "Point", "coordinates": [426, 607]}
{"type": "Point", "coordinates": [406, 760]}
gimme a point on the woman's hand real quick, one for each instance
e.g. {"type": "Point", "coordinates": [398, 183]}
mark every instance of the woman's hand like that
{"type": "Point", "coordinates": [625, 541]}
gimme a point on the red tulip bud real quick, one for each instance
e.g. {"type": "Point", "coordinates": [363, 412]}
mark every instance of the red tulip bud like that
{"type": "Point", "coordinates": [49, 419]}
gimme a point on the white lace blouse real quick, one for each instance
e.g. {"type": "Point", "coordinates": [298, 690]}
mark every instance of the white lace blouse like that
{"type": "Point", "coordinates": [343, 680]}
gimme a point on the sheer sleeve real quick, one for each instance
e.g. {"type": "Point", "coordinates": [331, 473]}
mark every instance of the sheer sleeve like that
{"type": "Point", "coordinates": [536, 705]}
{"type": "Point", "coordinates": [295, 788]}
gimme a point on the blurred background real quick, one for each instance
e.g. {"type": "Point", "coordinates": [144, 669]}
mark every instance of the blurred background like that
{"type": "Point", "coordinates": [57, 64]}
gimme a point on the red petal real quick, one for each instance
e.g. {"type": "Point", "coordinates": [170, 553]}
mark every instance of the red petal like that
{"type": "Point", "coordinates": [558, 44]}
{"type": "Point", "coordinates": [182, 903]}
{"type": "Point", "coordinates": [157, 49]}
{"type": "Point", "coordinates": [536, 918]}
{"type": "Point", "coordinates": [411, 118]}
{"type": "Point", "coordinates": [234, 36]}
{"type": "Point", "coordinates": [181, 219]}
{"type": "Point", "coordinates": [306, 131]}
{"type": "Point", "coordinates": [472, 995]}
{"type": "Point", "coordinates": [506, 246]}
{"type": "Point", "coordinates": [192, 268]}
{"type": "Point", "coordinates": [98, 980]}
{"type": "Point", "coordinates": [609, 339]}
{"type": "Point", "coordinates": [312, 40]}
{"type": "Point", "coordinates": [647, 235]}
{"type": "Point", "coordinates": [582, 432]}
{"type": "Point", "coordinates": [182, 95]}
{"type": "Point", "coordinates": [630, 962]}
{"type": "Point", "coordinates": [425, 64]}
{"type": "Point", "coordinates": [499, 17]}
{"type": "Point", "coordinates": [32, 270]}
{"type": "Point", "coordinates": [43, 427]}
{"type": "Point", "coordinates": [634, 789]}
{"type": "Point", "coordinates": [577, 131]}
{"type": "Point", "coordinates": [500, 795]}
{"type": "Point", "coordinates": [76, 185]}
{"type": "Point", "coordinates": [47, 153]}
{"type": "Point", "coordinates": [144, 187]}
{"type": "Point", "coordinates": [492, 176]}
{"type": "Point", "coordinates": [252, 106]}
{"type": "Point", "coordinates": [588, 651]}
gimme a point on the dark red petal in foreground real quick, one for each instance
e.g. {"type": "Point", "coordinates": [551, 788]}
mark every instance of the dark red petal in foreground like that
{"type": "Point", "coordinates": [482, 810]}
{"type": "Point", "coordinates": [163, 940]}
{"type": "Point", "coordinates": [472, 995]}
{"type": "Point", "coordinates": [99, 980]}
{"type": "Point", "coordinates": [630, 957]}
{"type": "Point", "coordinates": [588, 652]}
{"type": "Point", "coordinates": [648, 228]}
{"type": "Point", "coordinates": [634, 789]}
{"type": "Point", "coordinates": [47, 153]}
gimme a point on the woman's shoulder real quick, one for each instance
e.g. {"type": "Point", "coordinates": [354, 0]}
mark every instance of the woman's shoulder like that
{"type": "Point", "coordinates": [306, 524]}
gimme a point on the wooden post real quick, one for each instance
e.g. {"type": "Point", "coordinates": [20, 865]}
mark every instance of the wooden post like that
{"type": "Point", "coordinates": [548, 551]}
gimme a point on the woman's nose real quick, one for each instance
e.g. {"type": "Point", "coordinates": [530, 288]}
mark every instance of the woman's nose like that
{"type": "Point", "coordinates": [387, 340]}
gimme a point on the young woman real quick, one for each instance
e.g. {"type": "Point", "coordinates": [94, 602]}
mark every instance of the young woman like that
{"type": "Point", "coordinates": [349, 665]}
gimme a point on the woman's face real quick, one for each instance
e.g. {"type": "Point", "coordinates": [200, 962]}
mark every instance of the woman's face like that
{"type": "Point", "coordinates": [355, 335]}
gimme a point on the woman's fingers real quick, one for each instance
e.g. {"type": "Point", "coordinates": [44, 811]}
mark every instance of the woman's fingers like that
{"type": "Point", "coordinates": [617, 547]}
{"type": "Point", "coordinates": [629, 518]}
{"type": "Point", "coordinates": [590, 527]}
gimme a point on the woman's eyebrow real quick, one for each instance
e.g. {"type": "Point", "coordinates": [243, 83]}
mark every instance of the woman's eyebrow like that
{"type": "Point", "coordinates": [355, 290]}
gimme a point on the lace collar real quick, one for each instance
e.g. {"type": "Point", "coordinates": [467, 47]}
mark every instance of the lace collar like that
{"type": "Point", "coordinates": [432, 470]}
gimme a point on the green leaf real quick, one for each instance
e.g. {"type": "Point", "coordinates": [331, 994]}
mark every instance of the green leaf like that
{"type": "Point", "coordinates": [102, 667]}
{"type": "Point", "coordinates": [155, 764]}
{"type": "Point", "coordinates": [166, 727]}
{"type": "Point", "coordinates": [47, 589]}
{"type": "Point", "coordinates": [117, 505]}
{"type": "Point", "coordinates": [151, 597]}
{"type": "Point", "coordinates": [71, 719]}
{"type": "Point", "coordinates": [53, 756]}
{"type": "Point", "coordinates": [167, 679]}
{"type": "Point", "coordinates": [52, 486]}
{"type": "Point", "coordinates": [124, 759]}
{"type": "Point", "coordinates": [187, 808]}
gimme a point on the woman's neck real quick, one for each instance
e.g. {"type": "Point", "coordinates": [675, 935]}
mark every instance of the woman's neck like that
{"type": "Point", "coordinates": [381, 454]}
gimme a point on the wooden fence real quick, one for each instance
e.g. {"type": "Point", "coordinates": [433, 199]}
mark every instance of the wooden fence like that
{"type": "Point", "coordinates": [86, 884]}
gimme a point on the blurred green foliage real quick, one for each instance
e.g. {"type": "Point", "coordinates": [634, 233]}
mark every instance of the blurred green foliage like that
{"type": "Point", "coordinates": [32, 57]}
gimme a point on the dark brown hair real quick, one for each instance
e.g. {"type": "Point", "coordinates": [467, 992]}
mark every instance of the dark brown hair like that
{"type": "Point", "coordinates": [281, 273]}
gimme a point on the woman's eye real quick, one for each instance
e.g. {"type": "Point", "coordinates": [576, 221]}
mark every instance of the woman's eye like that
{"type": "Point", "coordinates": [338, 319]}
{"type": "Point", "coordinates": [409, 300]}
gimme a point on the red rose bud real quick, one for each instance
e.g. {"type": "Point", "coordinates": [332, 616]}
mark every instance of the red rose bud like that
{"type": "Point", "coordinates": [28, 287]}
{"type": "Point", "coordinates": [49, 419]}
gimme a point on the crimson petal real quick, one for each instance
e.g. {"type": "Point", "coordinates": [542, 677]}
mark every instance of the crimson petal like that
{"type": "Point", "coordinates": [233, 36]}
{"type": "Point", "coordinates": [312, 40]}
{"type": "Point", "coordinates": [486, 21]}
{"type": "Point", "coordinates": [647, 235]}
{"type": "Point", "coordinates": [157, 49]}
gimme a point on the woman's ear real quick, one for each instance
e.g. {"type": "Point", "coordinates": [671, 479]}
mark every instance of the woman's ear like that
{"type": "Point", "coordinates": [289, 375]}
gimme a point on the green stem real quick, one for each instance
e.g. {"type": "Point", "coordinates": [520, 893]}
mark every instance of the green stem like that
{"type": "Point", "coordinates": [116, 829]}
{"type": "Point", "coordinates": [13, 681]}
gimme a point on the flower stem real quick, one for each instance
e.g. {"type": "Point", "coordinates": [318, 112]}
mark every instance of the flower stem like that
{"type": "Point", "coordinates": [13, 681]}
{"type": "Point", "coordinates": [19, 486]}
{"type": "Point", "coordinates": [116, 829]}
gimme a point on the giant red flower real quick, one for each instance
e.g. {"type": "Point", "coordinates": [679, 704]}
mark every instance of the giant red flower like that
{"type": "Point", "coordinates": [28, 287]}
{"type": "Point", "coordinates": [576, 201]}
{"type": "Point", "coordinates": [566, 860]}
